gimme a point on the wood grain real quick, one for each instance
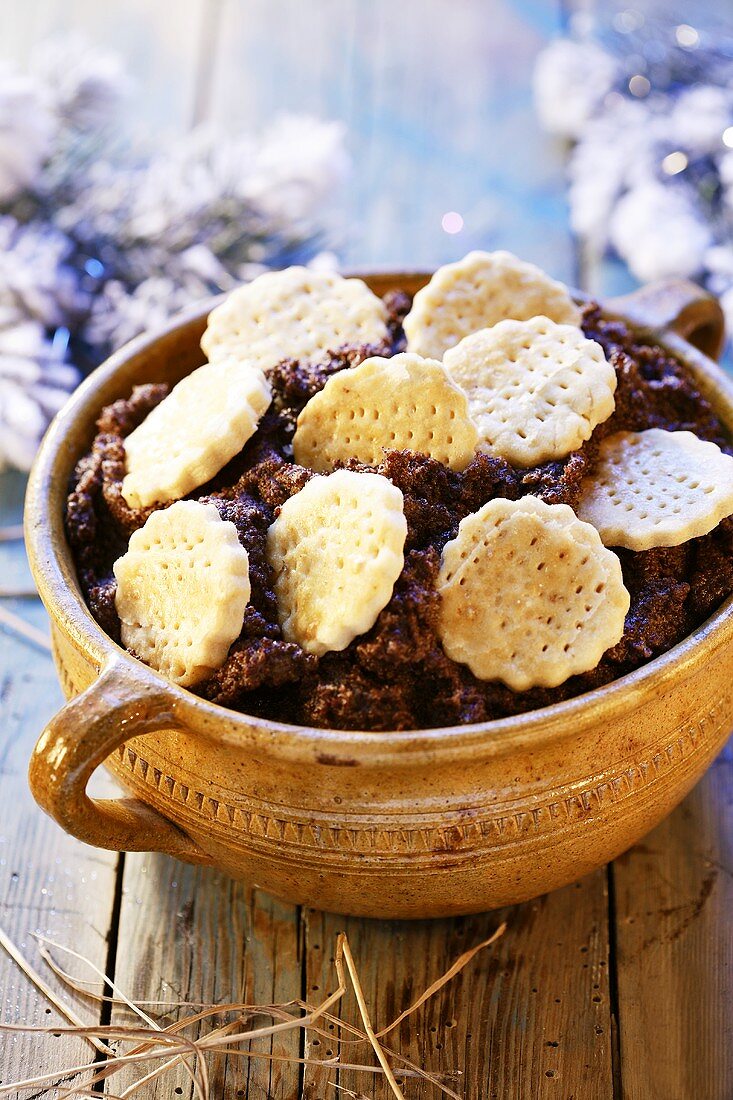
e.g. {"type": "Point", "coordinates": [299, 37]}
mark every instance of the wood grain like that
{"type": "Point", "coordinates": [49, 883]}
{"type": "Point", "coordinates": [528, 1017]}
{"type": "Point", "coordinates": [674, 899]}
{"type": "Point", "coordinates": [192, 934]}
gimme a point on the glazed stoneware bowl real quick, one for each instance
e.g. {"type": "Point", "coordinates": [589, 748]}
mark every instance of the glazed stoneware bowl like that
{"type": "Point", "coordinates": [406, 824]}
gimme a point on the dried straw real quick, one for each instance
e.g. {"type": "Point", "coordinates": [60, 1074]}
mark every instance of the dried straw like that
{"type": "Point", "coordinates": [44, 943]}
{"type": "Point", "coordinates": [33, 976]}
{"type": "Point", "coordinates": [166, 1047]}
{"type": "Point", "coordinates": [359, 993]}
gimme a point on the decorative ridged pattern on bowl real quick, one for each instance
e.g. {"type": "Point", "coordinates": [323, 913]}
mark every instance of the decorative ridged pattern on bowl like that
{"type": "Point", "coordinates": [472, 828]}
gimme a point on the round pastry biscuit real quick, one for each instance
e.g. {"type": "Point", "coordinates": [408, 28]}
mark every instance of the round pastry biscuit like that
{"type": "Point", "coordinates": [536, 389]}
{"type": "Point", "coordinates": [336, 550]}
{"type": "Point", "coordinates": [182, 589]}
{"type": "Point", "coordinates": [403, 403]}
{"type": "Point", "coordinates": [478, 291]}
{"type": "Point", "coordinates": [657, 488]}
{"type": "Point", "coordinates": [295, 314]}
{"type": "Point", "coordinates": [203, 422]}
{"type": "Point", "coordinates": [529, 594]}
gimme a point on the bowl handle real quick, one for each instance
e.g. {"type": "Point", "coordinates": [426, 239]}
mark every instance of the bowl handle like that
{"type": "Point", "coordinates": [78, 739]}
{"type": "Point", "coordinates": [675, 305]}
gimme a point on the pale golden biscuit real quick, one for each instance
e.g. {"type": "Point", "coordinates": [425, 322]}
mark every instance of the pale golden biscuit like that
{"type": "Point", "coordinates": [657, 488]}
{"type": "Point", "coordinates": [403, 403]}
{"type": "Point", "coordinates": [203, 422]}
{"type": "Point", "coordinates": [529, 594]}
{"type": "Point", "coordinates": [336, 550]}
{"type": "Point", "coordinates": [182, 589]}
{"type": "Point", "coordinates": [536, 389]}
{"type": "Point", "coordinates": [295, 314]}
{"type": "Point", "coordinates": [478, 291]}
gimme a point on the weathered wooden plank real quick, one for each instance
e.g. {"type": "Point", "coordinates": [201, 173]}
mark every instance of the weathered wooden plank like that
{"type": "Point", "coordinates": [673, 896]}
{"type": "Point", "coordinates": [437, 103]}
{"type": "Point", "coordinates": [674, 900]}
{"type": "Point", "coordinates": [49, 883]}
{"type": "Point", "coordinates": [528, 1017]}
{"type": "Point", "coordinates": [192, 934]}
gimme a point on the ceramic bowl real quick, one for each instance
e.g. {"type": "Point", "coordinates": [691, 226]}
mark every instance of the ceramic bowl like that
{"type": "Point", "coordinates": [406, 824]}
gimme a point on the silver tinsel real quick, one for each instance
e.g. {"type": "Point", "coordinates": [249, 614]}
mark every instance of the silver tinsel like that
{"type": "Point", "coordinates": [99, 242]}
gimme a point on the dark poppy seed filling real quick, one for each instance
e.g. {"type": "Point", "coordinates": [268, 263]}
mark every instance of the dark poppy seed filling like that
{"type": "Point", "coordinates": [396, 676]}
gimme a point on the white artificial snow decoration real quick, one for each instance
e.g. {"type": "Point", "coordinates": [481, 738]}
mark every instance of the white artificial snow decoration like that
{"type": "Point", "coordinates": [614, 152]}
{"type": "Point", "coordinates": [83, 85]}
{"type": "Point", "coordinates": [99, 242]}
{"type": "Point", "coordinates": [570, 80]}
{"type": "Point", "coordinates": [719, 260]}
{"type": "Point", "coordinates": [34, 277]}
{"type": "Point", "coordinates": [34, 384]}
{"type": "Point", "coordinates": [651, 169]}
{"type": "Point", "coordinates": [698, 119]}
{"type": "Point", "coordinates": [294, 170]}
{"type": "Point", "coordinates": [657, 230]}
{"type": "Point", "coordinates": [725, 168]}
{"type": "Point", "coordinates": [120, 313]}
{"type": "Point", "coordinates": [26, 133]}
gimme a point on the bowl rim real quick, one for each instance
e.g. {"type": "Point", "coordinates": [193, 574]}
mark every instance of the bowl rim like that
{"type": "Point", "coordinates": [55, 575]}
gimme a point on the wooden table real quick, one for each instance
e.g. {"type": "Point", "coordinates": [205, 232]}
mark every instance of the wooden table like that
{"type": "Point", "coordinates": [617, 986]}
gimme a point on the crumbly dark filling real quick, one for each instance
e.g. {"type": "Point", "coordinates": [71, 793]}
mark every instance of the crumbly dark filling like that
{"type": "Point", "coordinates": [396, 676]}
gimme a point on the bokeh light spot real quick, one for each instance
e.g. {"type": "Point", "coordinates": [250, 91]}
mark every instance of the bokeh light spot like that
{"type": "Point", "coordinates": [452, 222]}
{"type": "Point", "coordinates": [626, 22]}
{"type": "Point", "coordinates": [674, 163]}
{"type": "Point", "coordinates": [639, 86]}
{"type": "Point", "coordinates": [686, 36]}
